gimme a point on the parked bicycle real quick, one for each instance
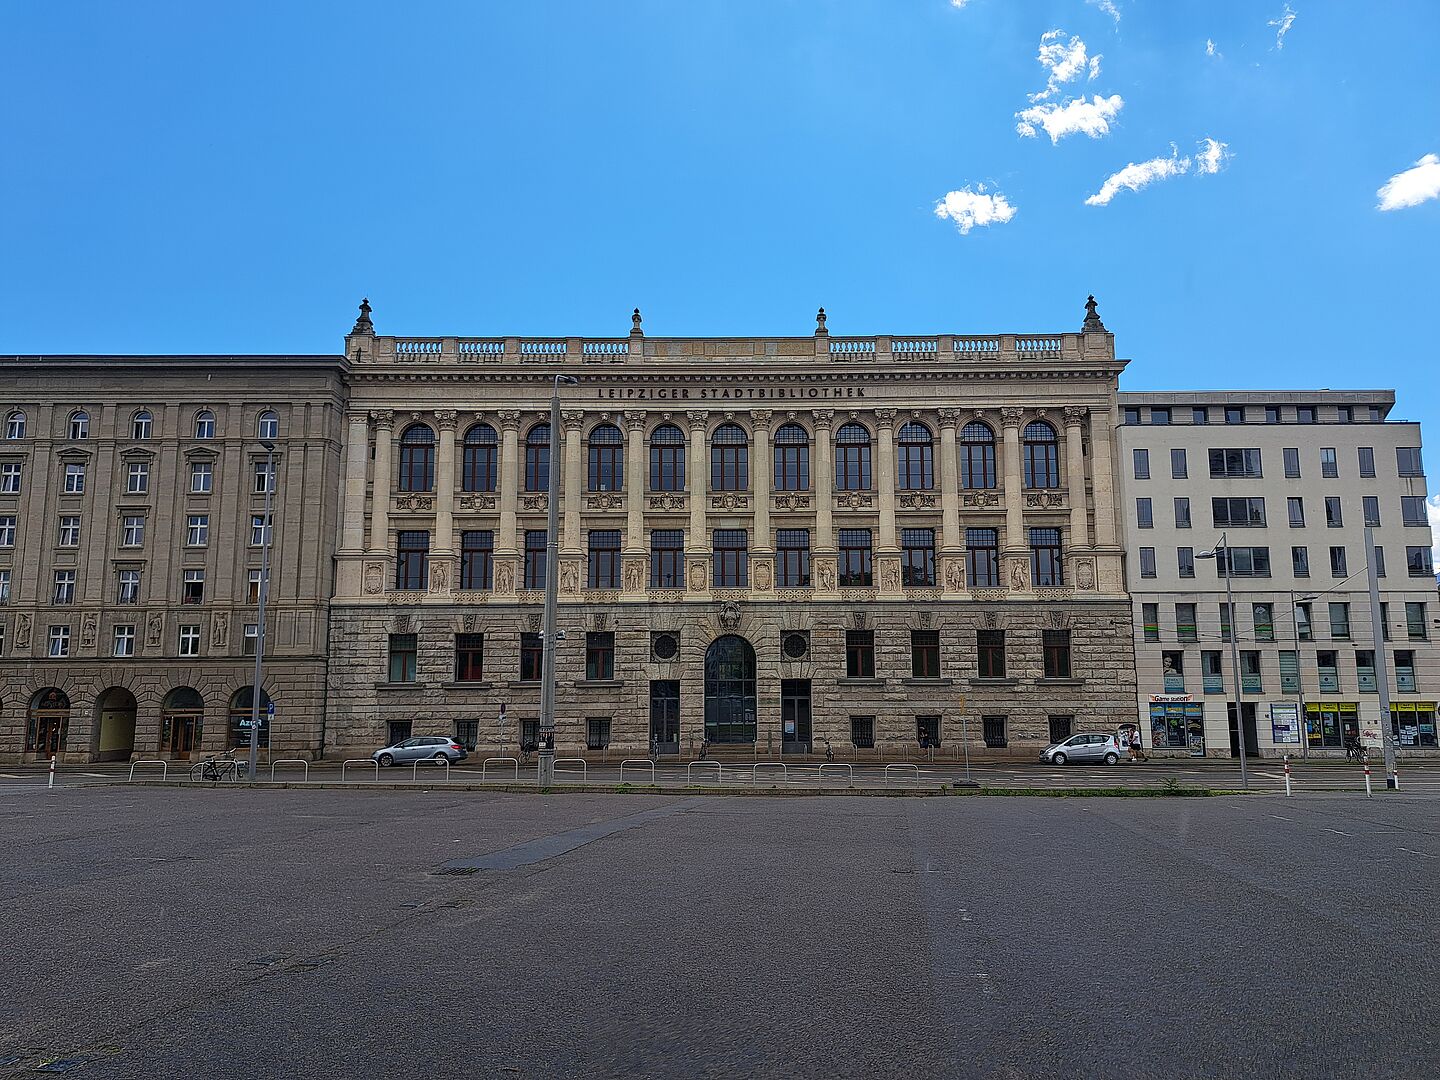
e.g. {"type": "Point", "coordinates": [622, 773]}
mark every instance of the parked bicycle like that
{"type": "Point", "coordinates": [1355, 750]}
{"type": "Point", "coordinates": [829, 750]}
{"type": "Point", "coordinates": [220, 767]}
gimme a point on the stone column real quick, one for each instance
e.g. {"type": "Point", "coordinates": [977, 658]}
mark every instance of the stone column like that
{"type": "Point", "coordinates": [357, 458]}
{"type": "Point", "coordinates": [445, 484]}
{"type": "Point", "coordinates": [885, 477]}
{"type": "Point", "coordinates": [573, 484]}
{"type": "Point", "coordinates": [635, 482]}
{"type": "Point", "coordinates": [1013, 481]}
{"type": "Point", "coordinates": [507, 542]}
{"type": "Point", "coordinates": [822, 544]}
{"type": "Point", "coordinates": [950, 565]}
{"type": "Point", "coordinates": [1101, 451]}
{"type": "Point", "coordinates": [760, 480]}
{"type": "Point", "coordinates": [1075, 417]}
{"type": "Point", "coordinates": [697, 544]}
{"type": "Point", "coordinates": [384, 422]}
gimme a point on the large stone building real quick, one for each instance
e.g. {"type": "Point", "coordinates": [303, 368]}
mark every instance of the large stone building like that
{"type": "Point", "coordinates": [131, 510]}
{"type": "Point", "coordinates": [1292, 479]}
{"type": "Point", "coordinates": [766, 543]}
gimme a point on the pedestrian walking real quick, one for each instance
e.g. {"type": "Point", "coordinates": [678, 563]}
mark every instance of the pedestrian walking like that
{"type": "Point", "coordinates": [1137, 747]}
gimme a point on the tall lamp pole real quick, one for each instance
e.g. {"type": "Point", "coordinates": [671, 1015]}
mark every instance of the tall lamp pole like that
{"type": "Point", "coordinates": [549, 636]}
{"type": "Point", "coordinates": [1382, 667]}
{"type": "Point", "coordinates": [1225, 563]}
{"type": "Point", "coordinates": [260, 610]}
{"type": "Point", "coordinates": [1301, 722]}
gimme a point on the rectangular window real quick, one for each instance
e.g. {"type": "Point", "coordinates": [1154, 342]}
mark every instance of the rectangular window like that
{"type": "Point", "coordinates": [260, 474]}
{"type": "Point", "coordinates": [792, 558]}
{"type": "Point", "coordinates": [667, 559]}
{"type": "Point", "coordinates": [74, 479]}
{"type": "Point", "coordinates": [64, 587]}
{"type": "Point", "coordinates": [1412, 510]}
{"type": "Point", "coordinates": [1339, 621]}
{"type": "Point", "coordinates": [1272, 414]}
{"type": "Point", "coordinates": [534, 558]}
{"type": "Point", "coordinates": [137, 478]}
{"type": "Point", "coordinates": [1292, 462]}
{"type": "Point", "coordinates": [467, 733]}
{"type": "Point", "coordinates": [10, 483]}
{"type": "Point", "coordinates": [129, 587]}
{"type": "Point", "coordinates": [202, 477]}
{"type": "Point", "coordinates": [192, 589]}
{"type": "Point", "coordinates": [990, 650]}
{"type": "Point", "coordinates": [1305, 414]}
{"type": "Point", "coordinates": [732, 559]}
{"type": "Point", "coordinates": [250, 638]}
{"type": "Point", "coordinates": [403, 648]}
{"type": "Point", "coordinates": [917, 553]}
{"type": "Point", "coordinates": [1367, 461]}
{"type": "Point", "coordinates": [197, 530]}
{"type": "Point", "coordinates": [1061, 727]}
{"type": "Point", "coordinates": [1056, 645]}
{"type": "Point", "coordinates": [1132, 414]}
{"type": "Point", "coordinates": [70, 530]}
{"type": "Point", "coordinates": [1144, 517]}
{"type": "Point", "coordinates": [1186, 627]}
{"type": "Point", "coordinates": [1185, 562]}
{"type": "Point", "coordinates": [1334, 519]}
{"type": "Point", "coordinates": [1227, 622]}
{"type": "Point", "coordinates": [190, 640]}
{"type": "Point", "coordinates": [1404, 671]}
{"type": "Point", "coordinates": [132, 532]}
{"type": "Point", "coordinates": [1182, 512]}
{"type": "Point", "coordinates": [1200, 414]}
{"type": "Point", "coordinates": [925, 654]}
{"type": "Point", "coordinates": [1142, 464]}
{"type": "Point", "coordinates": [854, 558]}
{"type": "Point", "coordinates": [4, 599]}
{"type": "Point", "coordinates": [1234, 414]}
{"type": "Point", "coordinates": [1419, 562]}
{"type": "Point", "coordinates": [1329, 468]}
{"type": "Point", "coordinates": [1047, 566]}
{"type": "Point", "coordinates": [1211, 673]}
{"type": "Point", "coordinates": [862, 732]}
{"type": "Point", "coordinates": [7, 531]}
{"type": "Point", "coordinates": [1365, 670]}
{"type": "Point", "coordinates": [1300, 561]}
{"type": "Point", "coordinates": [1344, 414]}
{"type": "Point", "coordinates": [927, 732]}
{"type": "Point", "coordinates": [412, 560]}
{"type": "Point", "coordinates": [1327, 666]}
{"type": "Point", "coordinates": [1337, 563]}
{"type": "Point", "coordinates": [59, 641]}
{"type": "Point", "coordinates": [1243, 562]}
{"type": "Point", "coordinates": [261, 532]}
{"type": "Point", "coordinates": [1147, 562]}
{"type": "Point", "coordinates": [1263, 616]}
{"type": "Point", "coordinates": [1304, 622]}
{"type": "Point", "coordinates": [477, 559]}
{"type": "Point", "coordinates": [252, 587]}
{"type": "Point", "coordinates": [1407, 461]}
{"type": "Point", "coordinates": [1159, 415]}
{"type": "Point", "coordinates": [597, 733]}
{"type": "Point", "coordinates": [983, 557]}
{"type": "Point", "coordinates": [860, 654]}
{"type": "Point", "coordinates": [1246, 513]}
{"type": "Point", "coordinates": [992, 729]}
{"type": "Point", "coordinates": [1296, 506]}
{"type": "Point", "coordinates": [1172, 670]}
{"type": "Point", "coordinates": [604, 559]}
{"type": "Point", "coordinates": [599, 656]}
{"type": "Point", "coordinates": [532, 657]}
{"type": "Point", "coordinates": [469, 657]}
{"type": "Point", "coordinates": [1370, 507]}
{"type": "Point", "coordinates": [1250, 672]}
{"type": "Point", "coordinates": [1179, 467]}
{"type": "Point", "coordinates": [1289, 671]}
{"type": "Point", "coordinates": [1150, 619]}
{"type": "Point", "coordinates": [1416, 626]}
{"type": "Point", "coordinates": [124, 641]}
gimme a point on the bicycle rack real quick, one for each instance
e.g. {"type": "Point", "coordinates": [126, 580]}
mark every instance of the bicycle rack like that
{"type": "Point", "coordinates": [359, 761]}
{"type": "Point", "coordinates": [849, 772]}
{"type": "Point", "coordinates": [570, 761]}
{"type": "Point", "coordinates": [164, 766]}
{"type": "Point", "coordinates": [637, 763]}
{"type": "Point", "coordinates": [415, 766]}
{"type": "Point", "coordinates": [289, 761]}
{"type": "Point", "coordinates": [914, 769]}
{"type": "Point", "coordinates": [719, 771]}
{"type": "Point", "coordinates": [784, 770]}
{"type": "Point", "coordinates": [485, 766]}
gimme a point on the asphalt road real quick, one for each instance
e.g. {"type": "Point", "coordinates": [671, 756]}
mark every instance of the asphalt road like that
{"type": "Point", "coordinates": [158, 932]}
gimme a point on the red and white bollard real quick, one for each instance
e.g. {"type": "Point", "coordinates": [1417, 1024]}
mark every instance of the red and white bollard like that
{"type": "Point", "coordinates": [1367, 777]}
{"type": "Point", "coordinates": [52, 772]}
{"type": "Point", "coordinates": [1287, 776]}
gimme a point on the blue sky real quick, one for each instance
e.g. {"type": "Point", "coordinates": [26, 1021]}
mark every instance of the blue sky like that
{"type": "Point", "coordinates": [233, 177]}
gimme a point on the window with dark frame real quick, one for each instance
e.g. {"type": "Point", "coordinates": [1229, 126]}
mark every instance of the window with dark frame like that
{"type": "Point", "coordinates": [862, 732]}
{"type": "Point", "coordinates": [852, 458]}
{"type": "Point", "coordinates": [1179, 467]}
{"type": "Point", "coordinates": [469, 657]}
{"type": "Point", "coordinates": [982, 556]}
{"type": "Point", "coordinates": [1056, 646]}
{"type": "Point", "coordinates": [479, 459]}
{"type": "Point", "coordinates": [667, 458]}
{"type": "Point", "coordinates": [917, 553]}
{"type": "Point", "coordinates": [732, 559]}
{"type": "Point", "coordinates": [599, 656]}
{"type": "Point", "coordinates": [412, 559]}
{"type": "Point", "coordinates": [477, 559]}
{"type": "Point", "coordinates": [925, 654]}
{"type": "Point", "coordinates": [1047, 565]}
{"type": "Point", "coordinates": [1042, 456]}
{"type": "Point", "coordinates": [537, 458]}
{"type": "Point", "coordinates": [854, 558]}
{"type": "Point", "coordinates": [604, 559]}
{"type": "Point", "coordinates": [597, 733]}
{"type": "Point", "coordinates": [860, 654]}
{"type": "Point", "coordinates": [792, 558]}
{"type": "Point", "coordinates": [403, 651]}
{"type": "Point", "coordinates": [729, 459]}
{"type": "Point", "coordinates": [992, 729]}
{"type": "Point", "coordinates": [1239, 463]}
{"type": "Point", "coordinates": [927, 732]}
{"type": "Point", "coordinates": [977, 456]}
{"type": "Point", "coordinates": [792, 458]}
{"type": "Point", "coordinates": [417, 459]}
{"type": "Point", "coordinates": [532, 657]}
{"type": "Point", "coordinates": [667, 559]}
{"type": "Point", "coordinates": [916, 464]}
{"type": "Point", "coordinates": [534, 558]}
{"type": "Point", "coordinates": [606, 459]}
{"type": "Point", "coordinates": [990, 652]}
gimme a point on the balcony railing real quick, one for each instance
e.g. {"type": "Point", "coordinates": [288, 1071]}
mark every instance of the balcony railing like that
{"type": "Point", "coordinates": [1214, 684]}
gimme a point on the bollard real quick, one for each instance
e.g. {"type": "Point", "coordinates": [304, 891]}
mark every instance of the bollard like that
{"type": "Point", "coordinates": [1393, 780]}
{"type": "Point", "coordinates": [1367, 777]}
{"type": "Point", "coordinates": [52, 774]}
{"type": "Point", "coordinates": [1287, 776]}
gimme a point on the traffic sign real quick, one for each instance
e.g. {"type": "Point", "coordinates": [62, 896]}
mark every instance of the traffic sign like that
{"type": "Point", "coordinates": [270, 709]}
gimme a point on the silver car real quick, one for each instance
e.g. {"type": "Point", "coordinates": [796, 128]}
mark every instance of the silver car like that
{"type": "Point", "coordinates": [421, 748]}
{"type": "Point", "coordinates": [1090, 748]}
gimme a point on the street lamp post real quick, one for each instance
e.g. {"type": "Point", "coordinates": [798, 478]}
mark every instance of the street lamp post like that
{"type": "Point", "coordinates": [1382, 666]}
{"type": "Point", "coordinates": [549, 634]}
{"type": "Point", "coordinates": [1301, 722]}
{"type": "Point", "coordinates": [260, 610]}
{"type": "Point", "coordinates": [1214, 553]}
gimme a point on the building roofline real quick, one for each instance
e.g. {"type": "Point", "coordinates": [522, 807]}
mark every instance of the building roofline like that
{"type": "Point", "coordinates": [1254, 397]}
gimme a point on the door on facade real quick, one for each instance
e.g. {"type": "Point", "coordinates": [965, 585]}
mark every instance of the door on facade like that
{"type": "Point", "coordinates": [115, 733]}
{"type": "Point", "coordinates": [1247, 718]}
{"type": "Point", "coordinates": [795, 716]}
{"type": "Point", "coordinates": [730, 709]}
{"type": "Point", "coordinates": [181, 722]}
{"type": "Point", "coordinates": [49, 723]}
{"type": "Point", "coordinates": [665, 716]}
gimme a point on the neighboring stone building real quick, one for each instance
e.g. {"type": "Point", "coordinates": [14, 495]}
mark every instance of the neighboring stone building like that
{"type": "Point", "coordinates": [130, 489]}
{"type": "Point", "coordinates": [767, 543]}
{"type": "Point", "coordinates": [1292, 478]}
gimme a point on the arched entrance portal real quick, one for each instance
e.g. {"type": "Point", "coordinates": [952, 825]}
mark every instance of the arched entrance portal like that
{"type": "Point", "coordinates": [49, 723]}
{"type": "Point", "coordinates": [115, 710]}
{"type": "Point", "coordinates": [730, 691]}
{"type": "Point", "coordinates": [240, 702]}
{"type": "Point", "coordinates": [180, 722]}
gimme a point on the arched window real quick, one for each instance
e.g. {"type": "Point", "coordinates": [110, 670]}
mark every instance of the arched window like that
{"type": "Point", "coordinates": [268, 425]}
{"type": "Point", "coordinates": [792, 458]}
{"type": "Point", "coordinates": [417, 459]}
{"type": "Point", "coordinates": [730, 708]}
{"type": "Point", "coordinates": [977, 455]}
{"type": "Point", "coordinates": [79, 424]}
{"type": "Point", "coordinates": [1042, 456]}
{"type": "Point", "coordinates": [240, 712]}
{"type": "Point", "coordinates": [15, 425]}
{"type": "Point", "coordinates": [729, 459]}
{"type": "Point", "coordinates": [537, 458]}
{"type": "Point", "coordinates": [607, 459]}
{"type": "Point", "coordinates": [479, 466]}
{"type": "Point", "coordinates": [141, 424]}
{"type": "Point", "coordinates": [667, 458]}
{"type": "Point", "coordinates": [204, 424]}
{"type": "Point", "coordinates": [852, 458]}
{"type": "Point", "coordinates": [917, 458]}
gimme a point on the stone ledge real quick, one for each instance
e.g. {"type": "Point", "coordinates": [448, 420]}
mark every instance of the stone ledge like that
{"type": "Point", "coordinates": [994, 682]}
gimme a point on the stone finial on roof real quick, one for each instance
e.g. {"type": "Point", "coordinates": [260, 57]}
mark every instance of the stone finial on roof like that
{"type": "Point", "coordinates": [635, 322]}
{"type": "Point", "coordinates": [363, 325]}
{"type": "Point", "coordinates": [1092, 319]}
{"type": "Point", "coordinates": [820, 322]}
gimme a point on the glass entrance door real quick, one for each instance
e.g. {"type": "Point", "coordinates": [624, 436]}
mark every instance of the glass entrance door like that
{"type": "Point", "coordinates": [795, 716]}
{"type": "Point", "coordinates": [665, 716]}
{"type": "Point", "coordinates": [730, 691]}
{"type": "Point", "coordinates": [179, 733]}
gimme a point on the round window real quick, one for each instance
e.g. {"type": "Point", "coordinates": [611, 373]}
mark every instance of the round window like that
{"type": "Point", "coordinates": [665, 646]}
{"type": "Point", "coordinates": [795, 645]}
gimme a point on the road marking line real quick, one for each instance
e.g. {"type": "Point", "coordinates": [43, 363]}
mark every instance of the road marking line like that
{"type": "Point", "coordinates": [1422, 854]}
{"type": "Point", "coordinates": [1337, 832]}
{"type": "Point", "coordinates": [1279, 817]}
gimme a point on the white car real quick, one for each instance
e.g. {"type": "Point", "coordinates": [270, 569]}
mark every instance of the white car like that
{"type": "Point", "coordinates": [1086, 747]}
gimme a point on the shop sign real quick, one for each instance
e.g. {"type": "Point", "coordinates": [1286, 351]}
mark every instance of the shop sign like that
{"type": "Point", "coordinates": [1285, 723]}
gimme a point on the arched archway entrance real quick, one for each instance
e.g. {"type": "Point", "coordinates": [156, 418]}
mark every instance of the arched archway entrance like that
{"type": "Point", "coordinates": [49, 723]}
{"type": "Point", "coordinates": [240, 703]}
{"type": "Point", "coordinates": [730, 690]}
{"type": "Point", "coordinates": [181, 717]}
{"type": "Point", "coordinates": [115, 730]}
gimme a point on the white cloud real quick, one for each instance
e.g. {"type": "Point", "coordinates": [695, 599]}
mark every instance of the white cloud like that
{"type": "Point", "coordinates": [1075, 117]}
{"type": "Point", "coordinates": [1065, 58]}
{"type": "Point", "coordinates": [968, 209]}
{"type": "Point", "coordinates": [1139, 174]}
{"type": "Point", "coordinates": [1282, 25]}
{"type": "Point", "coordinates": [1211, 156]}
{"type": "Point", "coordinates": [958, 3]}
{"type": "Point", "coordinates": [1432, 507]}
{"type": "Point", "coordinates": [1108, 7]}
{"type": "Point", "coordinates": [1210, 49]}
{"type": "Point", "coordinates": [1412, 187]}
